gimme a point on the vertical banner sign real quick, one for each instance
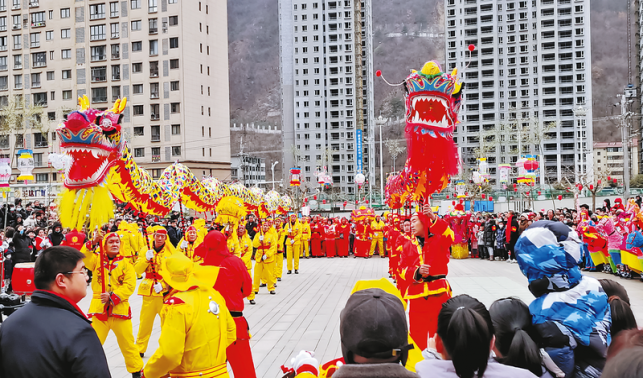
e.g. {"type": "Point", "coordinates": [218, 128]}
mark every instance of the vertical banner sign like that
{"type": "Point", "coordinates": [359, 150]}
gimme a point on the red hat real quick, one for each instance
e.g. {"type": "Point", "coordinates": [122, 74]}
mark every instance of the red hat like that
{"type": "Point", "coordinates": [109, 236]}
{"type": "Point", "coordinates": [191, 228]}
{"type": "Point", "coordinates": [161, 231]}
{"type": "Point", "coordinates": [618, 200]}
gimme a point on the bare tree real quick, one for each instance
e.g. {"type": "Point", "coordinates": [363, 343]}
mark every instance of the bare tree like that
{"type": "Point", "coordinates": [394, 150]}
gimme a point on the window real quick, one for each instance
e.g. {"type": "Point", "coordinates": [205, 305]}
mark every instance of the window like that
{"type": "Point", "coordinates": [135, 4]}
{"type": "Point", "coordinates": [174, 85]}
{"type": "Point", "coordinates": [35, 80]}
{"type": "Point", "coordinates": [116, 72]}
{"type": "Point", "coordinates": [66, 74]}
{"type": "Point", "coordinates": [155, 112]}
{"type": "Point", "coordinates": [174, 20]}
{"type": "Point", "coordinates": [152, 6]}
{"type": "Point", "coordinates": [67, 95]}
{"type": "Point", "coordinates": [176, 129]}
{"type": "Point", "coordinates": [174, 64]}
{"type": "Point", "coordinates": [49, 35]}
{"type": "Point", "coordinates": [137, 67]}
{"type": "Point", "coordinates": [139, 152]}
{"type": "Point", "coordinates": [66, 33]}
{"type": "Point", "coordinates": [65, 13]}
{"type": "Point", "coordinates": [137, 88]}
{"type": "Point", "coordinates": [17, 42]}
{"type": "Point", "coordinates": [3, 63]}
{"type": "Point", "coordinates": [115, 30]}
{"type": "Point", "coordinates": [116, 93]}
{"type": "Point", "coordinates": [154, 90]}
{"type": "Point", "coordinates": [96, 11]}
{"type": "Point", "coordinates": [98, 53]}
{"type": "Point", "coordinates": [154, 69]}
{"type": "Point", "coordinates": [38, 19]}
{"type": "Point", "coordinates": [153, 26]}
{"type": "Point", "coordinates": [138, 110]}
{"type": "Point", "coordinates": [113, 9]}
{"type": "Point", "coordinates": [174, 43]}
{"type": "Point", "coordinates": [137, 46]}
{"type": "Point", "coordinates": [35, 40]}
{"type": "Point", "coordinates": [99, 94]}
{"type": "Point", "coordinates": [154, 47]}
{"type": "Point", "coordinates": [65, 54]}
{"type": "Point", "coordinates": [17, 62]}
{"type": "Point", "coordinates": [175, 107]}
{"type": "Point", "coordinates": [139, 131]}
{"type": "Point", "coordinates": [50, 75]}
{"type": "Point", "coordinates": [39, 59]}
{"type": "Point", "coordinates": [4, 83]}
{"type": "Point", "coordinates": [116, 51]}
{"type": "Point", "coordinates": [136, 25]}
{"type": "Point", "coordinates": [176, 150]}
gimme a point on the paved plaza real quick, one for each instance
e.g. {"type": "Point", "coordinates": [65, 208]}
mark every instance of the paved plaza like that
{"type": "Point", "coordinates": [305, 312]}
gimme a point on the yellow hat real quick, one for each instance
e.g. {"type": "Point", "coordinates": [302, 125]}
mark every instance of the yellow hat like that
{"type": "Point", "coordinates": [181, 273]}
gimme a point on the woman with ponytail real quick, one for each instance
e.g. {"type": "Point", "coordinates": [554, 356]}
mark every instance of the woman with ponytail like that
{"type": "Point", "coordinates": [620, 310]}
{"type": "Point", "coordinates": [514, 345]}
{"type": "Point", "coordinates": [463, 343]}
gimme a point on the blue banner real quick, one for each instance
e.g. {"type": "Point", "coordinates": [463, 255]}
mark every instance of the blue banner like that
{"type": "Point", "coordinates": [359, 150]}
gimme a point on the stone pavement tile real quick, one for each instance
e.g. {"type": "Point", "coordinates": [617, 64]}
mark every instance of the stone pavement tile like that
{"type": "Point", "coordinates": [304, 314]}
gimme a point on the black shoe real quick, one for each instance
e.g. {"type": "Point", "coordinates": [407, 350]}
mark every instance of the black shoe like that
{"type": "Point", "coordinates": [142, 355]}
{"type": "Point", "coordinates": [252, 301]}
{"type": "Point", "coordinates": [273, 292]}
{"type": "Point", "coordinates": [256, 292]}
{"type": "Point", "coordinates": [289, 272]}
{"type": "Point", "coordinates": [275, 285]}
{"type": "Point", "coordinates": [136, 375]}
{"type": "Point", "coordinates": [263, 285]}
{"type": "Point", "coordinates": [279, 279]}
{"type": "Point", "coordinates": [296, 272]}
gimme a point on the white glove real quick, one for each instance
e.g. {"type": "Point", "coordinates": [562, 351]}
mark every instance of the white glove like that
{"type": "Point", "coordinates": [184, 244]}
{"type": "Point", "coordinates": [260, 237]}
{"type": "Point", "coordinates": [264, 257]}
{"type": "Point", "coordinates": [158, 287]}
{"type": "Point", "coordinates": [149, 255]}
{"type": "Point", "coordinates": [292, 241]}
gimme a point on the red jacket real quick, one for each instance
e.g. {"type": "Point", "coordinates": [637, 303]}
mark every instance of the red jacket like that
{"type": "Point", "coordinates": [317, 231]}
{"type": "Point", "coordinates": [233, 282]}
{"type": "Point", "coordinates": [343, 229]}
{"type": "Point", "coordinates": [434, 253]}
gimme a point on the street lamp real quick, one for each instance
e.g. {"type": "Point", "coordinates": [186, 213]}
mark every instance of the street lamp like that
{"type": "Point", "coordinates": [380, 121]}
{"type": "Point", "coordinates": [359, 180]}
{"type": "Point", "coordinates": [579, 114]}
{"type": "Point", "coordinates": [272, 168]}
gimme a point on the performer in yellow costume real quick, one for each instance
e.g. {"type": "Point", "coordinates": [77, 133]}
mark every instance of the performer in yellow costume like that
{"type": "Point", "coordinates": [293, 242]}
{"type": "Point", "coordinates": [377, 235]}
{"type": "Point", "coordinates": [127, 248]}
{"type": "Point", "coordinates": [153, 286]}
{"type": "Point", "coordinates": [196, 324]}
{"type": "Point", "coordinates": [246, 250]}
{"type": "Point", "coordinates": [114, 282]}
{"type": "Point", "coordinates": [188, 244]}
{"type": "Point", "coordinates": [305, 238]}
{"type": "Point", "coordinates": [266, 244]}
{"type": "Point", "coordinates": [280, 231]}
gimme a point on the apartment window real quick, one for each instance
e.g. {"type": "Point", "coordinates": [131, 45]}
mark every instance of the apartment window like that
{"type": "Point", "coordinates": [38, 19]}
{"type": "Point", "coordinates": [174, 20]}
{"type": "Point", "coordinates": [66, 34]}
{"type": "Point", "coordinates": [175, 107]}
{"type": "Point", "coordinates": [154, 47]}
{"type": "Point", "coordinates": [136, 25]}
{"type": "Point", "coordinates": [113, 9]}
{"type": "Point", "coordinates": [135, 4]}
{"type": "Point", "coordinates": [139, 152]}
{"type": "Point", "coordinates": [66, 74]}
{"type": "Point", "coordinates": [152, 7]}
{"type": "Point", "coordinates": [17, 81]}
{"type": "Point", "coordinates": [137, 88]}
{"type": "Point", "coordinates": [116, 72]}
{"type": "Point", "coordinates": [4, 84]}
{"type": "Point", "coordinates": [174, 43]}
{"type": "Point", "coordinates": [50, 75]}
{"type": "Point", "coordinates": [174, 85]}
{"type": "Point", "coordinates": [35, 80]}
{"type": "Point", "coordinates": [154, 90]}
{"type": "Point", "coordinates": [67, 95]}
{"type": "Point", "coordinates": [40, 99]}
{"type": "Point", "coordinates": [35, 40]}
{"type": "Point", "coordinates": [137, 67]}
{"type": "Point", "coordinates": [139, 131]}
{"type": "Point", "coordinates": [174, 64]}
{"type": "Point", "coordinates": [116, 93]}
{"type": "Point", "coordinates": [99, 94]}
{"type": "Point", "coordinates": [154, 69]}
{"type": "Point", "coordinates": [176, 129]}
{"type": "Point", "coordinates": [96, 11]}
{"type": "Point", "coordinates": [17, 42]}
{"type": "Point", "coordinates": [65, 13]}
{"type": "Point", "coordinates": [3, 63]}
{"type": "Point", "coordinates": [116, 51]}
{"type": "Point", "coordinates": [153, 26]}
{"type": "Point", "coordinates": [155, 112]}
{"type": "Point", "coordinates": [49, 35]}
{"type": "Point", "coordinates": [176, 150]}
{"type": "Point", "coordinates": [137, 46]}
{"type": "Point", "coordinates": [138, 110]}
{"type": "Point", "coordinates": [17, 62]}
{"type": "Point", "coordinates": [98, 53]}
{"type": "Point", "coordinates": [39, 59]}
{"type": "Point", "coordinates": [115, 30]}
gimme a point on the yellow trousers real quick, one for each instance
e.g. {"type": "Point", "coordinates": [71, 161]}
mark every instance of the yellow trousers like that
{"type": "Point", "coordinates": [305, 248]}
{"type": "Point", "coordinates": [122, 328]}
{"type": "Point", "coordinates": [375, 242]}
{"type": "Point", "coordinates": [293, 251]}
{"type": "Point", "coordinates": [151, 307]}
{"type": "Point", "coordinates": [279, 266]}
{"type": "Point", "coordinates": [263, 272]}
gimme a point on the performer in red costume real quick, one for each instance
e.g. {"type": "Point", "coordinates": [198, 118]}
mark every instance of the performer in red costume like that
{"type": "Point", "coordinates": [234, 284]}
{"type": "Point", "coordinates": [392, 235]}
{"type": "Point", "coordinates": [317, 230]}
{"type": "Point", "coordinates": [423, 270]}
{"type": "Point", "coordinates": [362, 244]}
{"type": "Point", "coordinates": [329, 240]}
{"type": "Point", "coordinates": [343, 233]}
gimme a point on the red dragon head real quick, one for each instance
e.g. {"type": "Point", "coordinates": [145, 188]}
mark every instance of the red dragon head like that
{"type": "Point", "coordinates": [92, 138]}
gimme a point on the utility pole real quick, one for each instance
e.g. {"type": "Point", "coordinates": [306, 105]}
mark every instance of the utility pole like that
{"type": "Point", "coordinates": [626, 99]}
{"type": "Point", "coordinates": [380, 121]}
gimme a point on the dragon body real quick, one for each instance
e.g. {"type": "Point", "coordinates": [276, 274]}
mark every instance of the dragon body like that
{"type": "Point", "coordinates": [102, 168]}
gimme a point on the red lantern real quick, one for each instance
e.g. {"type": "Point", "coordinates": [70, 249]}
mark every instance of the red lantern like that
{"type": "Point", "coordinates": [615, 181]}
{"type": "Point", "coordinates": [609, 178]}
{"type": "Point", "coordinates": [447, 196]}
{"type": "Point", "coordinates": [599, 182]}
{"type": "Point", "coordinates": [490, 198]}
{"type": "Point", "coordinates": [539, 192]}
{"type": "Point", "coordinates": [345, 203]}
{"type": "Point", "coordinates": [315, 198]}
{"type": "Point", "coordinates": [515, 189]}
{"type": "Point", "coordinates": [515, 185]}
{"type": "Point", "coordinates": [483, 196]}
{"type": "Point", "coordinates": [527, 193]}
{"type": "Point", "coordinates": [591, 187]}
{"type": "Point", "coordinates": [531, 165]}
{"type": "Point", "coordinates": [356, 202]}
{"type": "Point", "coordinates": [453, 203]}
{"type": "Point", "coordinates": [366, 201]}
{"type": "Point", "coordinates": [560, 197]}
{"type": "Point", "coordinates": [461, 200]}
{"type": "Point", "coordinates": [324, 202]}
{"type": "Point", "coordinates": [580, 186]}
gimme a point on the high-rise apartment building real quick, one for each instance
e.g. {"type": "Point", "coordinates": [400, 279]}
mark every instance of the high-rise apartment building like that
{"type": "Point", "coordinates": [168, 57]}
{"type": "Point", "coordinates": [327, 88]}
{"type": "Point", "coordinates": [529, 72]}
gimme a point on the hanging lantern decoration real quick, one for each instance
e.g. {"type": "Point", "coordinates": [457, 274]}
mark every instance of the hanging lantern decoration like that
{"type": "Point", "coordinates": [294, 176]}
{"type": "Point", "coordinates": [360, 179]}
{"type": "Point", "coordinates": [599, 182]}
{"type": "Point", "coordinates": [460, 189]}
{"type": "Point", "coordinates": [609, 178]}
{"type": "Point", "coordinates": [483, 167]}
{"type": "Point", "coordinates": [531, 166]}
{"type": "Point", "coordinates": [539, 192]}
{"type": "Point", "coordinates": [5, 174]}
{"type": "Point", "coordinates": [448, 196]}
{"type": "Point", "coordinates": [591, 187]}
{"type": "Point", "coordinates": [504, 170]}
{"type": "Point", "coordinates": [560, 197]}
{"type": "Point", "coordinates": [478, 179]}
{"type": "Point", "coordinates": [527, 194]}
{"type": "Point", "coordinates": [515, 189]}
{"type": "Point", "coordinates": [25, 165]}
{"type": "Point", "coordinates": [490, 198]}
{"type": "Point", "coordinates": [483, 196]}
{"type": "Point", "coordinates": [324, 202]}
{"type": "Point", "coordinates": [615, 181]}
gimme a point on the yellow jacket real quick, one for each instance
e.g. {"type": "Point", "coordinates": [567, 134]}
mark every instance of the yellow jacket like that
{"type": "Point", "coordinates": [126, 245]}
{"type": "Point", "coordinates": [189, 251]}
{"type": "Point", "coordinates": [378, 229]}
{"type": "Point", "coordinates": [305, 231]}
{"type": "Point", "coordinates": [193, 340]}
{"type": "Point", "coordinates": [293, 232]}
{"type": "Point", "coordinates": [202, 230]}
{"type": "Point", "coordinates": [152, 270]}
{"type": "Point", "coordinates": [120, 281]}
{"type": "Point", "coordinates": [266, 247]}
{"type": "Point", "coordinates": [280, 240]}
{"type": "Point", "coordinates": [233, 244]}
{"type": "Point", "coordinates": [246, 250]}
{"type": "Point", "coordinates": [136, 239]}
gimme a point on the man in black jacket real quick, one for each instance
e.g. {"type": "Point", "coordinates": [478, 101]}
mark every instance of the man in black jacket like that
{"type": "Point", "coordinates": [173, 233]}
{"type": "Point", "coordinates": [51, 337]}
